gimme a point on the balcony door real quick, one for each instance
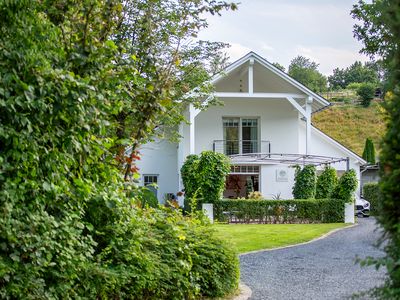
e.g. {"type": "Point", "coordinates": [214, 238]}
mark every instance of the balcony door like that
{"type": "Point", "coordinates": [240, 135]}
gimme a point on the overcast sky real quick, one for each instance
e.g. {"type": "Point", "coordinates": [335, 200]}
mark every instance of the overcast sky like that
{"type": "Point", "coordinates": [279, 30]}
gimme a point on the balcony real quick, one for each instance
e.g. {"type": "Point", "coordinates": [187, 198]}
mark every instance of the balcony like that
{"type": "Point", "coordinates": [232, 147]}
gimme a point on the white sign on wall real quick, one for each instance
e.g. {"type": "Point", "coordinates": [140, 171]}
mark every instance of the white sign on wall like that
{"type": "Point", "coordinates": [282, 175]}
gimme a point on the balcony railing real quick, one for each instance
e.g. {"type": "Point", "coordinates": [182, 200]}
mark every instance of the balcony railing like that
{"type": "Point", "coordinates": [232, 147]}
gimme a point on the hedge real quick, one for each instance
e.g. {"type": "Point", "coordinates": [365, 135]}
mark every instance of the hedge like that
{"type": "Point", "coordinates": [280, 211]}
{"type": "Point", "coordinates": [372, 193]}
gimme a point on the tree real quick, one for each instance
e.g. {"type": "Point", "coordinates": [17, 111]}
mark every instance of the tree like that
{"type": "Point", "coordinates": [338, 80]}
{"type": "Point", "coordinates": [169, 62]}
{"type": "Point", "coordinates": [355, 73]}
{"type": "Point", "coordinates": [366, 91]}
{"type": "Point", "coordinates": [306, 71]}
{"type": "Point", "coordinates": [305, 182]}
{"type": "Point", "coordinates": [369, 151]}
{"type": "Point", "coordinates": [379, 31]}
{"type": "Point", "coordinates": [279, 66]}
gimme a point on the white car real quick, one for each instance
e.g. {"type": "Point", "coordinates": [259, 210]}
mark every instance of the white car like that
{"type": "Point", "coordinates": [362, 207]}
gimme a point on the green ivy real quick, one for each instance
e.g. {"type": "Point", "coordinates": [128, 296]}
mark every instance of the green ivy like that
{"type": "Point", "coordinates": [346, 186]}
{"type": "Point", "coordinates": [326, 183]}
{"type": "Point", "coordinates": [204, 176]}
{"type": "Point", "coordinates": [305, 182]}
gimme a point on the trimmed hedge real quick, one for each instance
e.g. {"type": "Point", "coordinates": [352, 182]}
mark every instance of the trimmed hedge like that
{"type": "Point", "coordinates": [280, 211]}
{"type": "Point", "coordinates": [373, 194]}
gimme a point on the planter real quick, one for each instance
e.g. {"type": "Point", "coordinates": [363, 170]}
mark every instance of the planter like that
{"type": "Point", "coordinates": [349, 213]}
{"type": "Point", "coordinates": [208, 209]}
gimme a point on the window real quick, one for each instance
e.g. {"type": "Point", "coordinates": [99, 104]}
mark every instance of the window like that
{"type": "Point", "coordinates": [151, 181]}
{"type": "Point", "coordinates": [240, 135]}
{"type": "Point", "coordinates": [245, 169]}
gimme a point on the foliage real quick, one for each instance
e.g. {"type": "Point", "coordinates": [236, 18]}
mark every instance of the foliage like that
{"type": "Point", "coordinates": [305, 182]}
{"type": "Point", "coordinates": [346, 186]}
{"type": "Point", "coordinates": [379, 31]}
{"type": "Point", "coordinates": [369, 151]}
{"type": "Point", "coordinates": [67, 227]}
{"type": "Point", "coordinates": [159, 254]}
{"type": "Point", "coordinates": [352, 124]}
{"type": "Point", "coordinates": [255, 195]}
{"type": "Point", "coordinates": [355, 73]}
{"type": "Point", "coordinates": [189, 175]}
{"type": "Point", "coordinates": [366, 92]}
{"type": "Point", "coordinates": [252, 237]}
{"type": "Point", "coordinates": [205, 175]}
{"type": "Point", "coordinates": [306, 71]}
{"type": "Point", "coordinates": [281, 211]}
{"type": "Point", "coordinates": [372, 193]}
{"type": "Point", "coordinates": [354, 86]}
{"type": "Point", "coordinates": [279, 66]}
{"type": "Point", "coordinates": [326, 183]}
{"type": "Point", "coordinates": [144, 197]}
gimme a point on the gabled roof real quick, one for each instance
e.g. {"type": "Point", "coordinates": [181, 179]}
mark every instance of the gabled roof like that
{"type": "Point", "coordinates": [319, 102]}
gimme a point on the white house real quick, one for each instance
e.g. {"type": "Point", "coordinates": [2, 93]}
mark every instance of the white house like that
{"type": "Point", "coordinates": [264, 126]}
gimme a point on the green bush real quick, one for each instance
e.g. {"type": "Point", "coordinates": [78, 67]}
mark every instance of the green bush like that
{"type": "Point", "coordinates": [326, 183]}
{"type": "Point", "coordinates": [204, 176]}
{"type": "Point", "coordinates": [305, 182]}
{"type": "Point", "coordinates": [372, 193]}
{"type": "Point", "coordinates": [346, 186]}
{"type": "Point", "coordinates": [366, 92]}
{"type": "Point", "coordinates": [281, 211]}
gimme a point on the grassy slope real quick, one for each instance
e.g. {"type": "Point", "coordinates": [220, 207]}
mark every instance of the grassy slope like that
{"type": "Point", "coordinates": [351, 125]}
{"type": "Point", "coordinates": [250, 237]}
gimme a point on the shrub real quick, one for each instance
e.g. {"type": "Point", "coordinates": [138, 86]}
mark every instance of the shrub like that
{"type": "Point", "coordinates": [281, 211]}
{"type": "Point", "coordinates": [346, 186]}
{"type": "Point", "coordinates": [255, 195]}
{"type": "Point", "coordinates": [366, 92]}
{"type": "Point", "coordinates": [305, 182]}
{"type": "Point", "coordinates": [158, 254]}
{"type": "Point", "coordinates": [326, 183]}
{"type": "Point", "coordinates": [205, 176]}
{"type": "Point", "coordinates": [372, 193]}
{"type": "Point", "coordinates": [354, 86]}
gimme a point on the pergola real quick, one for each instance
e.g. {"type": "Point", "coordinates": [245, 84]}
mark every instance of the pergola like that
{"type": "Point", "coordinates": [288, 159]}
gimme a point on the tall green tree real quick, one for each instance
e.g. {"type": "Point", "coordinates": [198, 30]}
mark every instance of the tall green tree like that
{"type": "Point", "coordinates": [379, 31]}
{"type": "Point", "coordinates": [306, 71]}
{"type": "Point", "coordinates": [369, 151]}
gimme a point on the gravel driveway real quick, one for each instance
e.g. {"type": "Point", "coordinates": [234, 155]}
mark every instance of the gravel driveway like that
{"type": "Point", "coordinates": [324, 269]}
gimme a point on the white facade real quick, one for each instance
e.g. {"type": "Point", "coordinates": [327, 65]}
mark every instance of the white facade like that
{"type": "Point", "coordinates": [278, 110]}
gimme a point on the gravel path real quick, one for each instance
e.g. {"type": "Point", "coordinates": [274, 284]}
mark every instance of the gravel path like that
{"type": "Point", "coordinates": [324, 269]}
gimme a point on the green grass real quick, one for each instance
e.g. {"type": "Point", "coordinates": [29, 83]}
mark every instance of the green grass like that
{"type": "Point", "coordinates": [251, 237]}
{"type": "Point", "coordinates": [352, 124]}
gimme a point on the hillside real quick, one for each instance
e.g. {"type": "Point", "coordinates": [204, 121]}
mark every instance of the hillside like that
{"type": "Point", "coordinates": [352, 124]}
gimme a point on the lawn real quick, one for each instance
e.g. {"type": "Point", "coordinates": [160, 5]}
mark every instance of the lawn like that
{"type": "Point", "coordinates": [250, 237]}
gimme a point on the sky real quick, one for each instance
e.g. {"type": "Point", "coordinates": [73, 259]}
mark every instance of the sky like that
{"type": "Point", "coordinates": [279, 30]}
